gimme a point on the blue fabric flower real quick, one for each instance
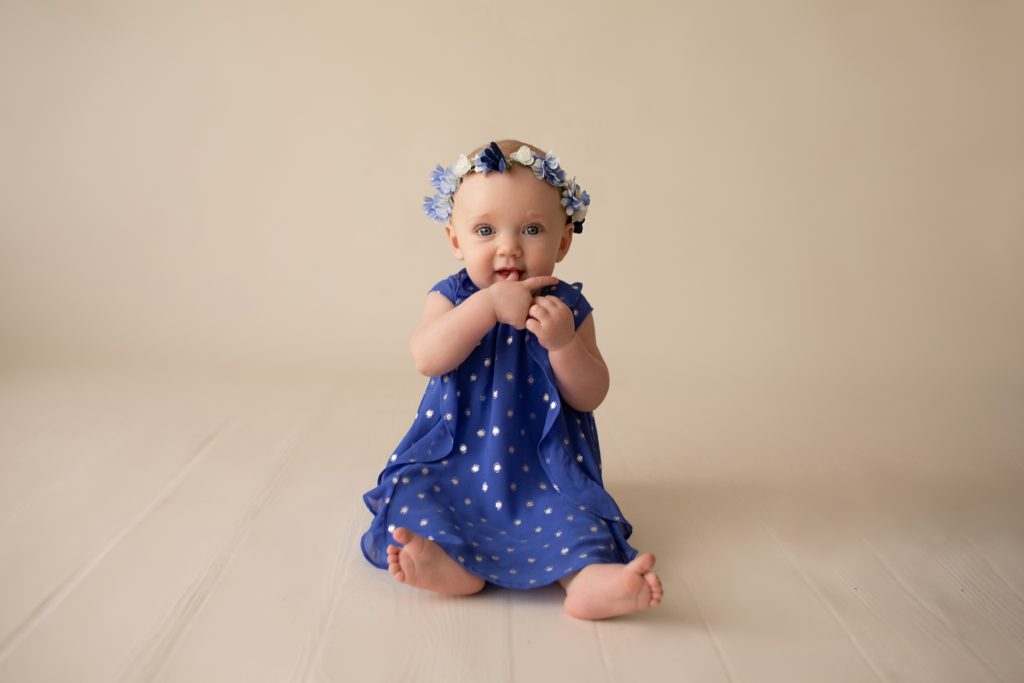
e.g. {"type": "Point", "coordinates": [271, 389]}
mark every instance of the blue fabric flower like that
{"type": "Point", "coordinates": [574, 198]}
{"type": "Point", "coordinates": [580, 215]}
{"type": "Point", "coordinates": [444, 180]}
{"type": "Point", "coordinates": [491, 159]}
{"type": "Point", "coordinates": [438, 207]}
{"type": "Point", "coordinates": [547, 169]}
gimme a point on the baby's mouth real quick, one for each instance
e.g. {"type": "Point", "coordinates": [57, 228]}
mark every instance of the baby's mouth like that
{"type": "Point", "coordinates": [509, 274]}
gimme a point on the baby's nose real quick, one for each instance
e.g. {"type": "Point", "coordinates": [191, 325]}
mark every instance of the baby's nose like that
{"type": "Point", "coordinates": [508, 246]}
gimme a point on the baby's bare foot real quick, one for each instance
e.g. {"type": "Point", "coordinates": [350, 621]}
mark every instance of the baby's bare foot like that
{"type": "Point", "coordinates": [423, 564]}
{"type": "Point", "coordinates": [600, 591]}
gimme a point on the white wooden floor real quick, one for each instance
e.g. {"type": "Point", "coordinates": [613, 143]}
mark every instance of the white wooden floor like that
{"type": "Point", "coordinates": [176, 527]}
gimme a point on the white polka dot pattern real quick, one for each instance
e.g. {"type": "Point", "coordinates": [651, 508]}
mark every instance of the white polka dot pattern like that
{"type": "Point", "coordinates": [507, 488]}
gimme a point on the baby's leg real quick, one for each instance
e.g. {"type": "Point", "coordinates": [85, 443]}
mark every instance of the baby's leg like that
{"type": "Point", "coordinates": [599, 591]}
{"type": "Point", "coordinates": [422, 563]}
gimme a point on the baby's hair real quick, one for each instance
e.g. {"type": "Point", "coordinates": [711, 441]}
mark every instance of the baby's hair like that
{"type": "Point", "coordinates": [507, 147]}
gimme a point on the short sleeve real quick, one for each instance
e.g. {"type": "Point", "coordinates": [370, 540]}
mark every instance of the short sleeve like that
{"type": "Point", "coordinates": [581, 309]}
{"type": "Point", "coordinates": [447, 287]}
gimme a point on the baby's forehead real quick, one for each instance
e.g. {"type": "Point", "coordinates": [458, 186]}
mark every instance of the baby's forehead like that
{"type": "Point", "coordinates": [503, 213]}
{"type": "Point", "coordinates": [521, 192]}
{"type": "Point", "coordinates": [546, 211]}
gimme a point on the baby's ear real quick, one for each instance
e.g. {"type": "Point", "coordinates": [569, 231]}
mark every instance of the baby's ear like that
{"type": "Point", "coordinates": [564, 243]}
{"type": "Point", "coordinates": [453, 241]}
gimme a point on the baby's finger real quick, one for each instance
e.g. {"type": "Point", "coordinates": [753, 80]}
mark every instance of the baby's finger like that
{"type": "Point", "coordinates": [551, 303]}
{"type": "Point", "coordinates": [538, 282]}
{"type": "Point", "coordinates": [545, 306]}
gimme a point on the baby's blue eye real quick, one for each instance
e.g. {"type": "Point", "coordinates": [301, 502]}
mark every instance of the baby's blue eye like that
{"type": "Point", "coordinates": [533, 230]}
{"type": "Point", "coordinates": [485, 230]}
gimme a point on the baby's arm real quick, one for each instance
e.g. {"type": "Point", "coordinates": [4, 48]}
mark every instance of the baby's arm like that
{"type": "Point", "coordinates": [580, 371]}
{"type": "Point", "coordinates": [447, 334]}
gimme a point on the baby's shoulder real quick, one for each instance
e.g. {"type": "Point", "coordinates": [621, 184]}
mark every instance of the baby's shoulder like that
{"type": "Point", "coordinates": [455, 287]}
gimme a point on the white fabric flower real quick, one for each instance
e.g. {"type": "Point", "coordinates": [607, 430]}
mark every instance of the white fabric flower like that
{"type": "Point", "coordinates": [461, 166]}
{"type": "Point", "coordinates": [523, 155]}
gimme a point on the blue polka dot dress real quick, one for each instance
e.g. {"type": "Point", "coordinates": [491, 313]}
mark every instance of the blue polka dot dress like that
{"type": "Point", "coordinates": [497, 470]}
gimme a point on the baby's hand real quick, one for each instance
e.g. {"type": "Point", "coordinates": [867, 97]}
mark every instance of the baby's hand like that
{"type": "Point", "coordinates": [512, 298]}
{"type": "Point", "coordinates": [551, 320]}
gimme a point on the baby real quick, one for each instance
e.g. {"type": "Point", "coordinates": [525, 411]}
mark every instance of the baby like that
{"type": "Point", "coordinates": [499, 477]}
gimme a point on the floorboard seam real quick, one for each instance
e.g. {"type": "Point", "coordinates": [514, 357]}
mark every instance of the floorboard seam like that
{"type": "Point", "coordinates": [65, 587]}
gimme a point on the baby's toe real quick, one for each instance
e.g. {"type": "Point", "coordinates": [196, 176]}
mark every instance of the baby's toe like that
{"type": "Point", "coordinates": [656, 590]}
{"type": "Point", "coordinates": [396, 571]}
{"type": "Point", "coordinates": [642, 563]}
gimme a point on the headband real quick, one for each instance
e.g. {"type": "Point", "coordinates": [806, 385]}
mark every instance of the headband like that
{"type": "Point", "coordinates": [575, 199]}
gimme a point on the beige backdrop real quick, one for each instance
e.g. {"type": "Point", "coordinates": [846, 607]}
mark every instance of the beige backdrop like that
{"type": "Point", "coordinates": [806, 256]}
{"type": "Point", "coordinates": [785, 193]}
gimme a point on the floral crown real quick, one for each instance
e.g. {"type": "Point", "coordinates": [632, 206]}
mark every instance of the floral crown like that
{"type": "Point", "coordinates": [575, 199]}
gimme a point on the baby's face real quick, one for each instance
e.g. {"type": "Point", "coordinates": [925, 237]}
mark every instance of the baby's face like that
{"type": "Point", "coordinates": [505, 223]}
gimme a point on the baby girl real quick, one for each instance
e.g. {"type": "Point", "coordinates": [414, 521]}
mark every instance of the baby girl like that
{"type": "Point", "coordinates": [499, 477]}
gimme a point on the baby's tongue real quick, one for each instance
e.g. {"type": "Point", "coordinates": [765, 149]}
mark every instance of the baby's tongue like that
{"type": "Point", "coordinates": [513, 275]}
